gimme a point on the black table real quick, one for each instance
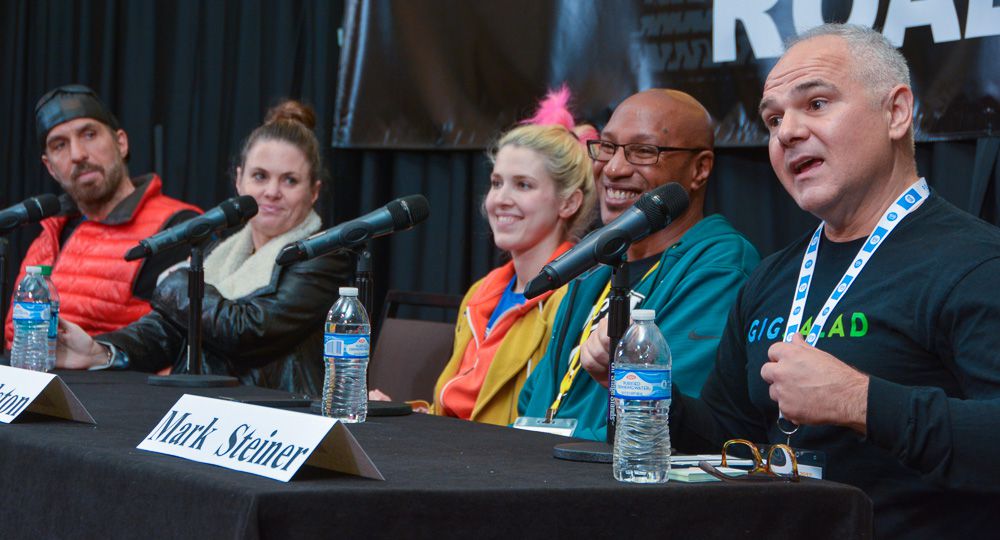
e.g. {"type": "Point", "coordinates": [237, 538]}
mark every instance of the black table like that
{"type": "Point", "coordinates": [444, 478]}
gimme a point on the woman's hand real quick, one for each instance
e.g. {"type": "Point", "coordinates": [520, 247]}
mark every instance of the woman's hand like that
{"type": "Point", "coordinates": [418, 406]}
{"type": "Point", "coordinates": [77, 350]}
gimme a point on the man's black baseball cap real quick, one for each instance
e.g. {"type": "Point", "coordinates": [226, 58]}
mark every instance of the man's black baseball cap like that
{"type": "Point", "coordinates": [67, 103]}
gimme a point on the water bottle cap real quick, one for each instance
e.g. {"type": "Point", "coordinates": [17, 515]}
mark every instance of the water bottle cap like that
{"type": "Point", "coordinates": [348, 291]}
{"type": "Point", "coordinates": [643, 315]}
{"type": "Point", "coordinates": [33, 270]}
{"type": "Point", "coordinates": [46, 270]}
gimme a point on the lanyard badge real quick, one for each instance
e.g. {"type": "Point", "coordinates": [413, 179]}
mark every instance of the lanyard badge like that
{"type": "Point", "coordinates": [907, 203]}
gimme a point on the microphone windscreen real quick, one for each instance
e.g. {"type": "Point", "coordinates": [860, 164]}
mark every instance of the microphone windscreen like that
{"type": "Point", "coordinates": [246, 206]}
{"type": "Point", "coordinates": [419, 208]}
{"type": "Point", "coordinates": [66, 205]}
{"type": "Point", "coordinates": [289, 254]}
{"type": "Point", "coordinates": [230, 212]}
{"type": "Point", "coordinates": [137, 252]}
{"type": "Point", "coordinates": [663, 204]}
{"type": "Point", "coordinates": [408, 211]}
{"type": "Point", "coordinates": [49, 205]}
{"type": "Point", "coordinates": [675, 199]}
{"type": "Point", "coordinates": [538, 285]}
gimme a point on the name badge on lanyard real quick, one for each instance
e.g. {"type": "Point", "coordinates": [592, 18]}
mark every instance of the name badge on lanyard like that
{"type": "Point", "coordinates": [906, 204]}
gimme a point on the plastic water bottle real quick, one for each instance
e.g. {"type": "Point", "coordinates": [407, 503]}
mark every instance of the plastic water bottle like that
{"type": "Point", "coordinates": [50, 362]}
{"type": "Point", "coordinates": [642, 392]}
{"type": "Point", "coordinates": [346, 342]}
{"type": "Point", "coordinates": [32, 317]}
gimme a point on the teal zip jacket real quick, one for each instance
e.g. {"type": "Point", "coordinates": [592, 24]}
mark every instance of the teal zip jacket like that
{"type": "Point", "coordinates": [691, 291]}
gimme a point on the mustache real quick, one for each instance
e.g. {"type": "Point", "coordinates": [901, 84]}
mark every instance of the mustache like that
{"type": "Point", "coordinates": [84, 168]}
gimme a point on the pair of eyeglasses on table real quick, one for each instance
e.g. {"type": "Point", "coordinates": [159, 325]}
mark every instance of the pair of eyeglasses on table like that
{"type": "Point", "coordinates": [780, 465]}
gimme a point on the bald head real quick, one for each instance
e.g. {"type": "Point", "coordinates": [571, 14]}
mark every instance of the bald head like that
{"type": "Point", "coordinates": [681, 118]}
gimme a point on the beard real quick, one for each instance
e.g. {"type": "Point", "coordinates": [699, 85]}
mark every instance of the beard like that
{"type": "Point", "coordinates": [100, 193]}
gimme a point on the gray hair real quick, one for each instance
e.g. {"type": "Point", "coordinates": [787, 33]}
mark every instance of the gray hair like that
{"type": "Point", "coordinates": [878, 64]}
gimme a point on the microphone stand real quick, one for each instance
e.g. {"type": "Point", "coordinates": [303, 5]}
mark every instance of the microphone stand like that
{"type": "Point", "coordinates": [618, 316]}
{"type": "Point", "coordinates": [196, 291]}
{"type": "Point", "coordinates": [364, 281]}
{"type": "Point", "coordinates": [3, 292]}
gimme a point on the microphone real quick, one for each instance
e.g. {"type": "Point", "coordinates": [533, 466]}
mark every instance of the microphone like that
{"type": "Point", "coordinates": [29, 211]}
{"type": "Point", "coordinates": [652, 212]}
{"type": "Point", "coordinates": [398, 215]}
{"type": "Point", "coordinates": [232, 212]}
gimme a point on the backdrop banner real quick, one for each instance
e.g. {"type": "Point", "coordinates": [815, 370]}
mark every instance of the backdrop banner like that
{"type": "Point", "coordinates": [437, 74]}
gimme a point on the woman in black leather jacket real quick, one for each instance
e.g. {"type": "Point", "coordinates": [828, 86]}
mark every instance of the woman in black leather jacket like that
{"type": "Point", "coordinates": [261, 322]}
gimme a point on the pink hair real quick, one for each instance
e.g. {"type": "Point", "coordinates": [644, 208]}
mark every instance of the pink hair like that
{"type": "Point", "coordinates": [554, 110]}
{"type": "Point", "coordinates": [586, 132]}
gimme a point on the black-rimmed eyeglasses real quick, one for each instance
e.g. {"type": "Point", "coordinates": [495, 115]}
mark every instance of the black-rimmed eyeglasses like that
{"type": "Point", "coordinates": [635, 153]}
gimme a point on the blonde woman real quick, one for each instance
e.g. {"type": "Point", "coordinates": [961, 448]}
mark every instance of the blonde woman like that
{"type": "Point", "coordinates": [541, 197]}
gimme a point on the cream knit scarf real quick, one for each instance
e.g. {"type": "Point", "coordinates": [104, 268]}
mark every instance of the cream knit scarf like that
{"type": "Point", "coordinates": [236, 270]}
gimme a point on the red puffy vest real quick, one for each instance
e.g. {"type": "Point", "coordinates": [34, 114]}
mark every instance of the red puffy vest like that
{"type": "Point", "coordinates": [93, 279]}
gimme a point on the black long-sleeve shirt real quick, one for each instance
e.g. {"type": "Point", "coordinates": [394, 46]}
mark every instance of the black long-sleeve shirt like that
{"type": "Point", "coordinates": [923, 320]}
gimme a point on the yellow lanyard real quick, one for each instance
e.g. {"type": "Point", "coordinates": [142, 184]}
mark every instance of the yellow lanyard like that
{"type": "Point", "coordinates": [574, 363]}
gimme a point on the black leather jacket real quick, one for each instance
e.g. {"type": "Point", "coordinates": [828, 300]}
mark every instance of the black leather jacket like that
{"type": "Point", "coordinates": [272, 337]}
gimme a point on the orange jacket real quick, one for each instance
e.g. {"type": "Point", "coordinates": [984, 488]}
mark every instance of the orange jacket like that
{"type": "Point", "coordinates": [486, 372]}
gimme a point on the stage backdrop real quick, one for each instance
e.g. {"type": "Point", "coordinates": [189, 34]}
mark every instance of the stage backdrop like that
{"type": "Point", "coordinates": [189, 79]}
{"type": "Point", "coordinates": [436, 74]}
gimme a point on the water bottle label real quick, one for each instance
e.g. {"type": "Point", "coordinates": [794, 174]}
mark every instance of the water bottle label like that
{"type": "Point", "coordinates": [645, 384]}
{"type": "Point", "coordinates": [346, 345]}
{"type": "Point", "coordinates": [54, 323]}
{"type": "Point", "coordinates": [32, 312]}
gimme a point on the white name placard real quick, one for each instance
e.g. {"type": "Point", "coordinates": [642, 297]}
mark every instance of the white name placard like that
{"type": "Point", "coordinates": [259, 440]}
{"type": "Point", "coordinates": [24, 390]}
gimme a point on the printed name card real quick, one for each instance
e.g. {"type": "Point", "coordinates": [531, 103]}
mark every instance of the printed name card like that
{"type": "Point", "coordinates": [259, 440]}
{"type": "Point", "coordinates": [41, 393]}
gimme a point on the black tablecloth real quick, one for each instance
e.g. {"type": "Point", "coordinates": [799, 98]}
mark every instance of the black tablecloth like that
{"type": "Point", "coordinates": [444, 478]}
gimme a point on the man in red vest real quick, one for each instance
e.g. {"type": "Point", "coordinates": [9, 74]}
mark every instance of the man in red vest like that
{"type": "Point", "coordinates": [105, 212]}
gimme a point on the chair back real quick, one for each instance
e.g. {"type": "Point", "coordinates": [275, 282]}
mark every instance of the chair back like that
{"type": "Point", "coordinates": [410, 353]}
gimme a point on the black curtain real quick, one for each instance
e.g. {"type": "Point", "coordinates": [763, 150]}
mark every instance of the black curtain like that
{"type": "Point", "coordinates": [190, 79]}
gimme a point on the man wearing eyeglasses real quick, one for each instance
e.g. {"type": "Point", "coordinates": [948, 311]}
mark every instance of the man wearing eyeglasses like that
{"type": "Point", "coordinates": [689, 273]}
{"type": "Point", "coordinates": [874, 338]}
{"type": "Point", "coordinates": [104, 214]}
